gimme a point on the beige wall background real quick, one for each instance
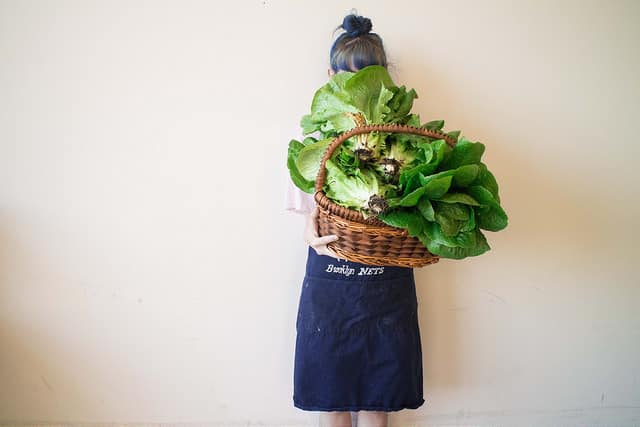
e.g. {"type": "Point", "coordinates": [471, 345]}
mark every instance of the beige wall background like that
{"type": "Point", "coordinates": [148, 271]}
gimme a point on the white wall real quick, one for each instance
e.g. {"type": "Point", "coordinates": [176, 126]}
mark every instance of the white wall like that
{"type": "Point", "coordinates": [148, 273]}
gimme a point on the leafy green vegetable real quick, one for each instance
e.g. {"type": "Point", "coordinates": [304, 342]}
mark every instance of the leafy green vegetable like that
{"type": "Point", "coordinates": [457, 252]}
{"type": "Point", "coordinates": [399, 156]}
{"type": "Point", "coordinates": [329, 106]}
{"type": "Point", "coordinates": [362, 191]}
{"type": "Point", "coordinates": [309, 157]}
{"type": "Point", "coordinates": [296, 176]}
{"type": "Point", "coordinates": [458, 198]}
{"type": "Point", "coordinates": [440, 194]}
{"type": "Point", "coordinates": [426, 209]}
{"type": "Point", "coordinates": [400, 105]}
{"type": "Point", "coordinates": [369, 93]}
{"type": "Point", "coordinates": [491, 216]}
{"type": "Point", "coordinates": [464, 153]}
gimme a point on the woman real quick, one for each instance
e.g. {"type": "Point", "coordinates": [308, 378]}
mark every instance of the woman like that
{"type": "Point", "coordinates": [358, 343]}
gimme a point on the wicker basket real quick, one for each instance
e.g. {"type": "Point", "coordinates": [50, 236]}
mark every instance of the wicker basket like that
{"type": "Point", "coordinates": [370, 241]}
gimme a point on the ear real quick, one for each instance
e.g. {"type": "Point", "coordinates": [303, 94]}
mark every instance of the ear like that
{"type": "Point", "coordinates": [330, 72]}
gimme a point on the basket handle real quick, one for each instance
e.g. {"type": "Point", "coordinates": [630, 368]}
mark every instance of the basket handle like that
{"type": "Point", "coordinates": [393, 128]}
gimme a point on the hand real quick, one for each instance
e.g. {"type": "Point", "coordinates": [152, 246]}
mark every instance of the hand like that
{"type": "Point", "coordinates": [312, 239]}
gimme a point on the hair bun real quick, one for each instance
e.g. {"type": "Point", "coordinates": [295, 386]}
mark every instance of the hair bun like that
{"type": "Point", "coordinates": [356, 25]}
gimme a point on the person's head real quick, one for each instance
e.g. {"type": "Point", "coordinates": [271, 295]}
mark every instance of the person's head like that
{"type": "Point", "coordinates": [357, 47]}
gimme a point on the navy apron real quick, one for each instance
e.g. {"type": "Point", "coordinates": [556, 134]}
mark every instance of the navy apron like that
{"type": "Point", "coordinates": [357, 338]}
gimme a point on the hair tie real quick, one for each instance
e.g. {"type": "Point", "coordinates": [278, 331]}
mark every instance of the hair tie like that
{"type": "Point", "coordinates": [356, 25]}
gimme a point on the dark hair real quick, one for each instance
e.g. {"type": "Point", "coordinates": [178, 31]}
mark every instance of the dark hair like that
{"type": "Point", "coordinates": [357, 47]}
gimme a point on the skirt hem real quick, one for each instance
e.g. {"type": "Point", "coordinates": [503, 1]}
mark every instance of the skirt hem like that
{"type": "Point", "coordinates": [356, 408]}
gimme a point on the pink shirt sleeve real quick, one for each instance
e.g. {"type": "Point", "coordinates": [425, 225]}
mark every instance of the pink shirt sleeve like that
{"type": "Point", "coordinates": [297, 200]}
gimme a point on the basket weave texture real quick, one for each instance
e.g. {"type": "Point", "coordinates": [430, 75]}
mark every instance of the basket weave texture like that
{"type": "Point", "coordinates": [370, 241]}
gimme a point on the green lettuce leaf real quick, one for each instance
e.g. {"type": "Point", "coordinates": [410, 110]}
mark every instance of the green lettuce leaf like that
{"type": "Point", "coordinates": [490, 216]}
{"type": "Point", "coordinates": [309, 158]}
{"type": "Point", "coordinates": [298, 179]}
{"type": "Point", "coordinates": [463, 153]}
{"type": "Point", "coordinates": [458, 252]}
